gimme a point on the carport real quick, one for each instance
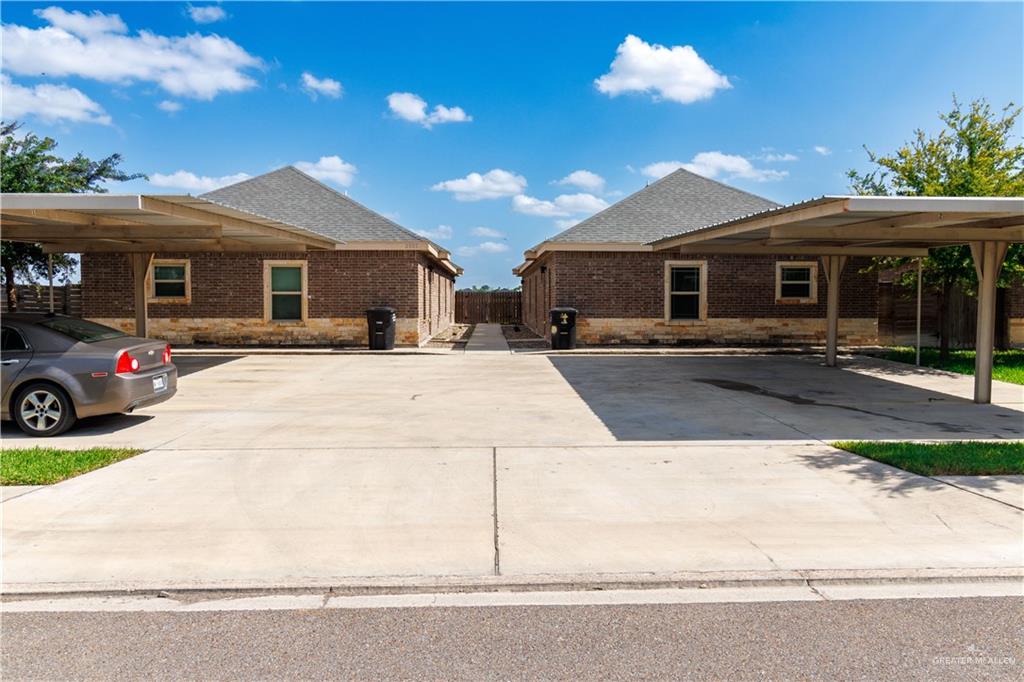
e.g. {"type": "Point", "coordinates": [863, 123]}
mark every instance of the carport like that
{"type": "Point", "coordinates": [837, 227]}
{"type": "Point", "coordinates": [141, 226]}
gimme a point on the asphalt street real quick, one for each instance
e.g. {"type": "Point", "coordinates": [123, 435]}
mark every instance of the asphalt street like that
{"type": "Point", "coordinates": [977, 638]}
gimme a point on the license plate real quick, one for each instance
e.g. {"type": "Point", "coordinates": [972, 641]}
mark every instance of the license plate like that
{"type": "Point", "coordinates": [160, 383]}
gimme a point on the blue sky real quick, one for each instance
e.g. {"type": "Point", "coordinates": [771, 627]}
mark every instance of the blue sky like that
{"type": "Point", "coordinates": [777, 99]}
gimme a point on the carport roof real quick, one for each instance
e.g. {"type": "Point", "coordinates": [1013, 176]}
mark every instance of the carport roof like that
{"type": "Point", "coordinates": [859, 225]}
{"type": "Point", "coordinates": [285, 210]}
{"type": "Point", "coordinates": [64, 222]}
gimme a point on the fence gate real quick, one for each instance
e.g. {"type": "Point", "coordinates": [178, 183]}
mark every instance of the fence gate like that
{"type": "Point", "coordinates": [499, 307]}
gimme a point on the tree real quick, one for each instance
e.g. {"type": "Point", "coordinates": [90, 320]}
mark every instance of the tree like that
{"type": "Point", "coordinates": [29, 164]}
{"type": "Point", "coordinates": [485, 288]}
{"type": "Point", "coordinates": [973, 155]}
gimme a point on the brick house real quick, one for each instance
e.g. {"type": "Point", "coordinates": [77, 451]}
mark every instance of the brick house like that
{"type": "Point", "coordinates": [626, 292]}
{"type": "Point", "coordinates": [292, 297]}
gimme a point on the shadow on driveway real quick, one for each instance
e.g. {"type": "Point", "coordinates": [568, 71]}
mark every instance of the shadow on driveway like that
{"type": "Point", "coordinates": [103, 424]}
{"type": "Point", "coordinates": [660, 398]}
{"type": "Point", "coordinates": [190, 364]}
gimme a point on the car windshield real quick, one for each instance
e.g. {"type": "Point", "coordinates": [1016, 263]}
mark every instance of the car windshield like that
{"type": "Point", "coordinates": [81, 330]}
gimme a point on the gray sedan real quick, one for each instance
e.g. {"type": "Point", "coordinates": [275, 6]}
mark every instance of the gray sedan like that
{"type": "Point", "coordinates": [57, 369]}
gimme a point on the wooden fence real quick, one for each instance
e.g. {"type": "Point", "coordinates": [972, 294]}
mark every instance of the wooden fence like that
{"type": "Point", "coordinates": [500, 307]}
{"type": "Point", "coordinates": [35, 298]}
{"type": "Point", "coordinates": [897, 317]}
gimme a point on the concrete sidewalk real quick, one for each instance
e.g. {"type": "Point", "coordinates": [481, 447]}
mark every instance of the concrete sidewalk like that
{"type": "Point", "coordinates": [262, 518]}
{"type": "Point", "coordinates": [487, 338]}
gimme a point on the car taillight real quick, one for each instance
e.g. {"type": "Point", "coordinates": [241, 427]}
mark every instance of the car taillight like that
{"type": "Point", "coordinates": [126, 364]}
{"type": "Point", "coordinates": [167, 354]}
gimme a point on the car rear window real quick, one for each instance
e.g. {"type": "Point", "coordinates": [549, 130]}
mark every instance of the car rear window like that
{"type": "Point", "coordinates": [81, 330]}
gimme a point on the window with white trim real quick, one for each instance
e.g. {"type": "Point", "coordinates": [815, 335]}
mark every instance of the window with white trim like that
{"type": "Point", "coordinates": [796, 282]}
{"type": "Point", "coordinates": [170, 280]}
{"type": "Point", "coordinates": [284, 291]}
{"type": "Point", "coordinates": [685, 291]}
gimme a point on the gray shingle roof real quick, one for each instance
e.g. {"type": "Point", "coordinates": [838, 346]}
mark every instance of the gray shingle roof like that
{"type": "Point", "coordinates": [289, 195]}
{"type": "Point", "coordinates": [679, 202]}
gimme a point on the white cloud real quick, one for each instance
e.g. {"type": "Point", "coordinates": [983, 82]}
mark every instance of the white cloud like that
{"type": "Point", "coordinates": [82, 24]}
{"type": "Point", "coordinates": [772, 157]}
{"type": "Point", "coordinates": [50, 103]}
{"type": "Point", "coordinates": [562, 205]}
{"type": "Point", "coordinates": [533, 206]}
{"type": "Point", "coordinates": [329, 169]}
{"type": "Point", "coordinates": [96, 46]}
{"type": "Point", "coordinates": [584, 179]}
{"type": "Point", "coordinates": [191, 182]}
{"type": "Point", "coordinates": [313, 86]}
{"type": "Point", "coordinates": [411, 107]}
{"type": "Point", "coordinates": [566, 223]}
{"type": "Point", "coordinates": [714, 164]}
{"type": "Point", "coordinates": [206, 14]}
{"type": "Point", "coordinates": [487, 232]}
{"type": "Point", "coordinates": [661, 168]}
{"type": "Point", "coordinates": [169, 105]}
{"type": "Point", "coordinates": [822, 149]}
{"type": "Point", "coordinates": [494, 184]}
{"type": "Point", "coordinates": [674, 73]}
{"type": "Point", "coordinates": [483, 247]}
{"type": "Point", "coordinates": [442, 232]}
{"type": "Point", "coordinates": [580, 203]}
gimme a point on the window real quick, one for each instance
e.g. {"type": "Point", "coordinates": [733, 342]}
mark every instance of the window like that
{"type": "Point", "coordinates": [284, 284]}
{"type": "Point", "coordinates": [11, 340]}
{"type": "Point", "coordinates": [81, 330]}
{"type": "Point", "coordinates": [796, 282]}
{"type": "Point", "coordinates": [170, 281]}
{"type": "Point", "coordinates": [685, 295]}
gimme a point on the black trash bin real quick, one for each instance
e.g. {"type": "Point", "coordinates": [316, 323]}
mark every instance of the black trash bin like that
{"type": "Point", "coordinates": [381, 321]}
{"type": "Point", "coordinates": [563, 328]}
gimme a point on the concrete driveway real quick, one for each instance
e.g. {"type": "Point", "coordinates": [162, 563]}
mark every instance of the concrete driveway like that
{"type": "Point", "coordinates": [498, 399]}
{"type": "Point", "coordinates": [308, 469]}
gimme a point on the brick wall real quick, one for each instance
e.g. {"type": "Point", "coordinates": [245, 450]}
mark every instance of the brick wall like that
{"type": "Point", "coordinates": [435, 297]}
{"type": "Point", "coordinates": [537, 294]}
{"type": "Point", "coordinates": [229, 286]}
{"type": "Point", "coordinates": [630, 285]}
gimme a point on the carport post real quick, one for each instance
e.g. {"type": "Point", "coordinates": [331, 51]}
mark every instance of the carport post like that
{"type": "Point", "coordinates": [988, 261]}
{"type": "Point", "coordinates": [833, 273]}
{"type": "Point", "coordinates": [140, 266]}
{"type": "Point", "coordinates": [49, 273]}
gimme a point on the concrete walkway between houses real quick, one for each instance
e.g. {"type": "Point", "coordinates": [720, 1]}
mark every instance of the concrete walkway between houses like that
{"type": "Point", "coordinates": [492, 469]}
{"type": "Point", "coordinates": [487, 338]}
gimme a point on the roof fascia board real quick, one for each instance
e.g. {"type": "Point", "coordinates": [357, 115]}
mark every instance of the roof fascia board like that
{"type": "Point", "coordinates": [585, 246]}
{"type": "Point", "coordinates": [66, 201]}
{"type": "Point", "coordinates": [423, 246]}
{"type": "Point", "coordinates": [803, 250]}
{"type": "Point", "coordinates": [936, 204]}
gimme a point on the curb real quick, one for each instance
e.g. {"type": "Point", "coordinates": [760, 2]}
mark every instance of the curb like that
{"type": "Point", "coordinates": [391, 585]}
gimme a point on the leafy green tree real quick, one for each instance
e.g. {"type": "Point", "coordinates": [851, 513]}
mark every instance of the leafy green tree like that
{"type": "Point", "coordinates": [484, 288]}
{"type": "Point", "coordinates": [973, 155]}
{"type": "Point", "coordinates": [28, 164]}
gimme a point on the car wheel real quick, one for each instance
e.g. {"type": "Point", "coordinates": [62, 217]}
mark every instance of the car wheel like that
{"type": "Point", "coordinates": [43, 410]}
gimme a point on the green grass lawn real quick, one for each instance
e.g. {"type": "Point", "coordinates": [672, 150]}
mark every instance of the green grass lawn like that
{"type": "Point", "coordinates": [965, 458]}
{"type": "Point", "coordinates": [1007, 365]}
{"type": "Point", "coordinates": [42, 466]}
